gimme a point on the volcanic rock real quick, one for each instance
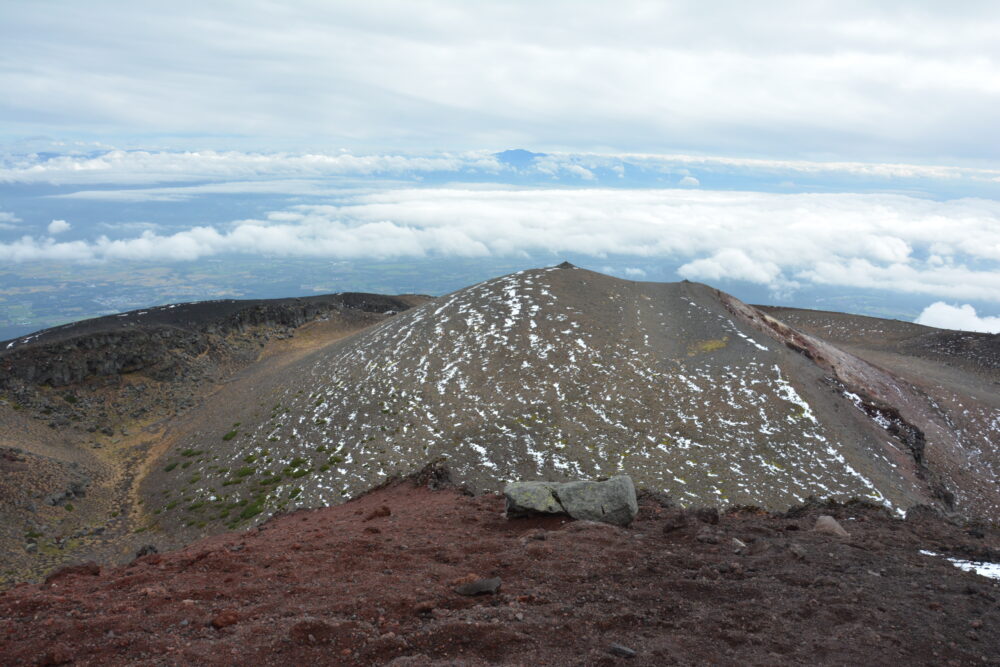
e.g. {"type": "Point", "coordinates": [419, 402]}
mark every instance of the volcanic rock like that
{"type": "Point", "coordinates": [611, 501]}
{"type": "Point", "coordinates": [479, 587]}
{"type": "Point", "coordinates": [827, 525]}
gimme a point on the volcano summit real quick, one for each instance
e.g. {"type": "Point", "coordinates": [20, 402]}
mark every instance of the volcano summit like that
{"type": "Point", "coordinates": [563, 373]}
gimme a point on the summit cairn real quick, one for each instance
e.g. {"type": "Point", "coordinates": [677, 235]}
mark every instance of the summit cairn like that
{"type": "Point", "coordinates": [611, 501]}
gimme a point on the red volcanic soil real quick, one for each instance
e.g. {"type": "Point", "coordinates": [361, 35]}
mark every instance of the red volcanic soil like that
{"type": "Point", "coordinates": [373, 582]}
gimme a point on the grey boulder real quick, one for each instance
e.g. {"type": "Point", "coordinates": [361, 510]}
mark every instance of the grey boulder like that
{"type": "Point", "coordinates": [827, 525]}
{"type": "Point", "coordinates": [612, 501]}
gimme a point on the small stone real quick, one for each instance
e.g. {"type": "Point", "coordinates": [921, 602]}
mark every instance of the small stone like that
{"type": "Point", "coordinates": [424, 607]}
{"type": "Point", "coordinates": [976, 624]}
{"type": "Point", "coordinates": [674, 520]}
{"type": "Point", "coordinates": [146, 550]}
{"type": "Point", "coordinates": [378, 513]}
{"type": "Point", "coordinates": [709, 515]}
{"type": "Point", "coordinates": [738, 546]}
{"type": "Point", "coordinates": [480, 587]}
{"type": "Point", "coordinates": [707, 536]}
{"type": "Point", "coordinates": [623, 651]}
{"type": "Point", "coordinates": [225, 618]}
{"type": "Point", "coordinates": [797, 550]}
{"type": "Point", "coordinates": [827, 525]}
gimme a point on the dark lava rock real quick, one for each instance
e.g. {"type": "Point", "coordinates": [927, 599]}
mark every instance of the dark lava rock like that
{"type": "Point", "coordinates": [146, 550]}
{"type": "Point", "coordinates": [675, 520]}
{"type": "Point", "coordinates": [707, 535]}
{"type": "Point", "coordinates": [709, 515]}
{"type": "Point", "coordinates": [622, 651]}
{"type": "Point", "coordinates": [480, 587]}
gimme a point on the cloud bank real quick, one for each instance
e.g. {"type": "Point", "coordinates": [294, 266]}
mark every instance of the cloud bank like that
{"type": "Point", "coordinates": [227, 171]}
{"type": "Point", "coordinates": [946, 316]}
{"type": "Point", "coordinates": [949, 249]}
{"type": "Point", "coordinates": [812, 78]}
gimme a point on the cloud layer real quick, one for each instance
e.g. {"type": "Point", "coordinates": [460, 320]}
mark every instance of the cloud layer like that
{"type": "Point", "coordinates": [806, 78]}
{"type": "Point", "coordinates": [238, 171]}
{"type": "Point", "coordinates": [948, 250]}
{"type": "Point", "coordinates": [946, 316]}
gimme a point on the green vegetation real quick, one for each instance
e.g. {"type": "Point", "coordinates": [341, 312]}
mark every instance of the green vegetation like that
{"type": "Point", "coordinates": [707, 345]}
{"type": "Point", "coordinates": [192, 452]}
{"type": "Point", "coordinates": [230, 435]}
{"type": "Point", "coordinates": [246, 471]}
{"type": "Point", "coordinates": [170, 466]}
{"type": "Point", "coordinates": [254, 508]}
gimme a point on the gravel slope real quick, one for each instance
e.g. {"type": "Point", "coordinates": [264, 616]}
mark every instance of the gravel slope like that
{"type": "Point", "coordinates": [372, 582]}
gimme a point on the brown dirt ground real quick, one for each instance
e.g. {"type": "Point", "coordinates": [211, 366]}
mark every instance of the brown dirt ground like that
{"type": "Point", "coordinates": [372, 582]}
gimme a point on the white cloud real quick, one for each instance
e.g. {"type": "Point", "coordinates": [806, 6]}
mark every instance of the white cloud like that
{"type": "Point", "coordinates": [630, 271]}
{"type": "Point", "coordinates": [58, 227]}
{"type": "Point", "coordinates": [946, 316]}
{"type": "Point", "coordinates": [8, 220]}
{"type": "Point", "coordinates": [454, 74]}
{"type": "Point", "coordinates": [241, 172]}
{"type": "Point", "coordinates": [142, 167]}
{"type": "Point", "coordinates": [945, 249]}
{"type": "Point", "coordinates": [734, 264]}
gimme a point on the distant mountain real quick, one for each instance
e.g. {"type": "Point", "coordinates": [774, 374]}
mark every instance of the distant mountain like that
{"type": "Point", "coordinates": [518, 157]}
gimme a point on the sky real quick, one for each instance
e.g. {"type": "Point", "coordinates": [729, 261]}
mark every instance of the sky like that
{"type": "Point", "coordinates": [799, 148]}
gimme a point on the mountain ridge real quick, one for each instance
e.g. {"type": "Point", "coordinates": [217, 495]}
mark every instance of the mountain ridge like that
{"type": "Point", "coordinates": [551, 373]}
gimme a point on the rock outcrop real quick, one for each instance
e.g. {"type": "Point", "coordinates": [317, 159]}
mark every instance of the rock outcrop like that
{"type": "Point", "coordinates": [610, 501]}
